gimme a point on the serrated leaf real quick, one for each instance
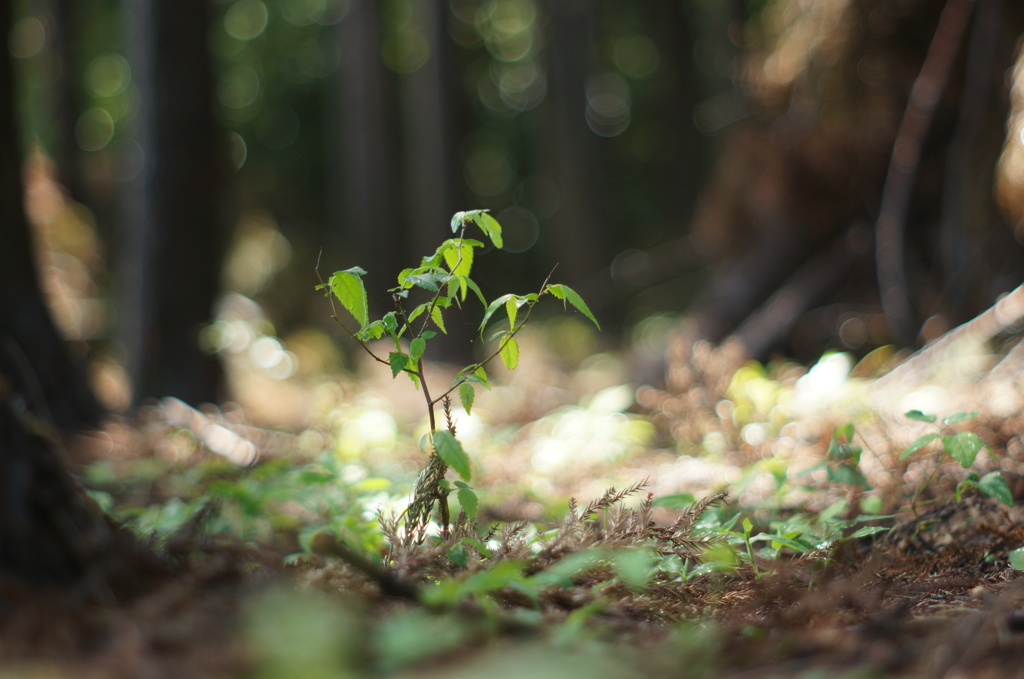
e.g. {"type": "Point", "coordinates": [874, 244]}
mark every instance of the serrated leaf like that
{"type": "Point", "coordinates": [374, 330]}
{"type": "Point", "coordinates": [995, 486]}
{"type": "Point", "coordinates": [459, 257]}
{"type": "Point", "coordinates": [491, 308]}
{"type": "Point", "coordinates": [512, 309]}
{"type": "Point", "coordinates": [489, 225]}
{"type": "Point", "coordinates": [428, 281]}
{"type": "Point", "coordinates": [481, 375]}
{"type": "Point", "coordinates": [467, 499]}
{"type": "Point", "coordinates": [450, 450]}
{"type": "Point", "coordinates": [418, 311]}
{"type": "Point", "coordinates": [567, 294]}
{"type": "Point", "coordinates": [416, 349]}
{"type": "Point", "coordinates": [467, 394]}
{"type": "Point", "coordinates": [398, 362]}
{"type": "Point", "coordinates": [348, 287]}
{"type": "Point", "coordinates": [957, 418]}
{"type": "Point", "coordinates": [964, 446]}
{"type": "Point", "coordinates": [435, 315]}
{"type": "Point", "coordinates": [919, 416]}
{"type": "Point", "coordinates": [510, 352]}
{"type": "Point", "coordinates": [918, 444]}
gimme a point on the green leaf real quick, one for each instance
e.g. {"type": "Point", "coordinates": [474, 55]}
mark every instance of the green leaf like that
{"type": "Point", "coordinates": [459, 257]}
{"type": "Point", "coordinates": [491, 308]}
{"type": "Point", "coordinates": [917, 445]}
{"type": "Point", "coordinates": [848, 474]}
{"type": "Point", "coordinates": [1017, 558]}
{"type": "Point", "coordinates": [374, 330]}
{"type": "Point", "coordinates": [450, 450]}
{"type": "Point", "coordinates": [348, 287]}
{"type": "Point", "coordinates": [417, 312]}
{"type": "Point", "coordinates": [429, 281]}
{"type": "Point", "coordinates": [779, 541]}
{"type": "Point", "coordinates": [964, 446]}
{"type": "Point", "coordinates": [416, 349]}
{"type": "Point", "coordinates": [460, 218]}
{"type": "Point", "coordinates": [466, 395]}
{"type": "Point", "coordinates": [512, 309]}
{"type": "Point", "coordinates": [510, 352]}
{"type": "Point", "coordinates": [957, 418]}
{"type": "Point", "coordinates": [995, 486]}
{"type": "Point", "coordinates": [467, 499]}
{"type": "Point", "coordinates": [476, 290]}
{"type": "Point", "coordinates": [567, 294]}
{"type": "Point", "coordinates": [633, 566]}
{"type": "Point", "coordinates": [398, 361]}
{"type": "Point", "coordinates": [435, 315]}
{"type": "Point", "coordinates": [845, 431]}
{"type": "Point", "coordinates": [490, 226]}
{"type": "Point", "coordinates": [481, 375]}
{"type": "Point", "coordinates": [676, 501]}
{"type": "Point", "coordinates": [919, 416]}
{"type": "Point", "coordinates": [868, 530]}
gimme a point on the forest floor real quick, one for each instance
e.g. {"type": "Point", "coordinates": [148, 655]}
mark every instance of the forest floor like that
{"type": "Point", "coordinates": [830, 556]}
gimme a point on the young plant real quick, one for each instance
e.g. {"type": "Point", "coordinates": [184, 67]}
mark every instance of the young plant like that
{"type": "Point", "coordinates": [962, 446]}
{"type": "Point", "coordinates": [445, 277]}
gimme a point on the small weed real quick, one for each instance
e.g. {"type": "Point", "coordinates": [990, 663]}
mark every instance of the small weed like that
{"type": "Point", "coordinates": [962, 446]}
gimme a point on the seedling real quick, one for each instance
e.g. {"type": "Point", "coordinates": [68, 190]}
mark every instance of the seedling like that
{"type": "Point", "coordinates": [962, 446]}
{"type": "Point", "coordinates": [445, 277]}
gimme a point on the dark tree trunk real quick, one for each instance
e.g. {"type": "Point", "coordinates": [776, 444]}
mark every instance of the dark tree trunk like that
{"type": "Point", "coordinates": [579, 239]}
{"type": "Point", "coordinates": [368, 196]}
{"type": "Point", "coordinates": [50, 531]}
{"type": "Point", "coordinates": [34, 361]}
{"type": "Point", "coordinates": [68, 101]}
{"type": "Point", "coordinates": [175, 238]}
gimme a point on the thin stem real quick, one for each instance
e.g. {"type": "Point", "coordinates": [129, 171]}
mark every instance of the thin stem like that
{"type": "Point", "coordinates": [334, 314]}
{"type": "Point", "coordinates": [501, 346]}
{"type": "Point", "coordinates": [400, 312]}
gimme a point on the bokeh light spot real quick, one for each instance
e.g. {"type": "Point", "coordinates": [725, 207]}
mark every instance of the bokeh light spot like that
{"type": "Point", "coordinates": [608, 104]}
{"type": "Point", "coordinates": [238, 87]}
{"type": "Point", "coordinates": [94, 130]}
{"type": "Point", "coordinates": [635, 55]}
{"type": "Point", "coordinates": [27, 38]}
{"type": "Point", "coordinates": [108, 75]}
{"type": "Point", "coordinates": [246, 19]}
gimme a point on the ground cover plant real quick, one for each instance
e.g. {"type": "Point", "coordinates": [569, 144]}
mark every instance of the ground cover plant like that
{"type": "Point", "coordinates": [713, 526]}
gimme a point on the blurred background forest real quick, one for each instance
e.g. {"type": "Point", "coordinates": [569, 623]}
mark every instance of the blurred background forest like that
{"type": "Point", "coordinates": [187, 162]}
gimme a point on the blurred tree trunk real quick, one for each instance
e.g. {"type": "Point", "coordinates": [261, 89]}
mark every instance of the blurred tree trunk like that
{"type": "Point", "coordinates": [35, 363]}
{"type": "Point", "coordinates": [175, 237]}
{"type": "Point", "coordinates": [368, 194]}
{"type": "Point", "coordinates": [66, 17]}
{"type": "Point", "coordinates": [580, 239]}
{"type": "Point", "coordinates": [49, 530]}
